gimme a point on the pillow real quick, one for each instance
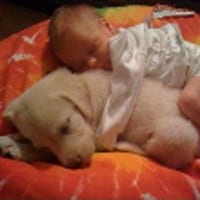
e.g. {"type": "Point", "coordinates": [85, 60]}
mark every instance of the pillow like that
{"type": "Point", "coordinates": [23, 58]}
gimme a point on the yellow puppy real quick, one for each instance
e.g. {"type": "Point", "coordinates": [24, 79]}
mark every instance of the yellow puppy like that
{"type": "Point", "coordinates": [62, 112]}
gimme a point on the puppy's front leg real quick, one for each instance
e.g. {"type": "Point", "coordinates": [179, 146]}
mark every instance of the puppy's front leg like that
{"type": "Point", "coordinates": [16, 147]}
{"type": "Point", "coordinates": [127, 147]}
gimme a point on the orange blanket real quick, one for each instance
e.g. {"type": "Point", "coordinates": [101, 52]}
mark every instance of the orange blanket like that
{"type": "Point", "coordinates": [119, 176]}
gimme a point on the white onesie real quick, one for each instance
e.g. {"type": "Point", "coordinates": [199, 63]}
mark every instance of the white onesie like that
{"type": "Point", "coordinates": [137, 52]}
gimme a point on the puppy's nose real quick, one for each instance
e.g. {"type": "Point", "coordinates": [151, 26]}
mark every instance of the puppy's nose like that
{"type": "Point", "coordinates": [76, 162]}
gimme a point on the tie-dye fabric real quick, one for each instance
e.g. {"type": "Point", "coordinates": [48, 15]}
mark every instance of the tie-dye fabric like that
{"type": "Point", "coordinates": [119, 176]}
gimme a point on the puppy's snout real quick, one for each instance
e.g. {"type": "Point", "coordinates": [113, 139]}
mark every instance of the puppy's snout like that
{"type": "Point", "coordinates": [76, 162]}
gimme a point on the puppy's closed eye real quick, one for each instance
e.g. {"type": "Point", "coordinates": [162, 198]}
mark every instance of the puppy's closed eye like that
{"type": "Point", "coordinates": [64, 128]}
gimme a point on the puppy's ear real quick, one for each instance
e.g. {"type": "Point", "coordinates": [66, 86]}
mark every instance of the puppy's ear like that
{"type": "Point", "coordinates": [78, 93]}
{"type": "Point", "coordinates": [10, 110]}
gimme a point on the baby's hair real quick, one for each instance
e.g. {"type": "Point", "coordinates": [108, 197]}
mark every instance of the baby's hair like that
{"type": "Point", "coordinates": [67, 16]}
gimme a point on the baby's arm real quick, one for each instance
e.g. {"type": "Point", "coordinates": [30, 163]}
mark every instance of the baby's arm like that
{"type": "Point", "coordinates": [189, 100]}
{"type": "Point", "coordinates": [128, 73]}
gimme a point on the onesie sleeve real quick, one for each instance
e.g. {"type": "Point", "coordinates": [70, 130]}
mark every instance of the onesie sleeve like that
{"type": "Point", "coordinates": [128, 61]}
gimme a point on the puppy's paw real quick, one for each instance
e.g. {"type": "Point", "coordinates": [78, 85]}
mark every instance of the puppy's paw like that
{"type": "Point", "coordinates": [9, 147]}
{"type": "Point", "coordinates": [18, 148]}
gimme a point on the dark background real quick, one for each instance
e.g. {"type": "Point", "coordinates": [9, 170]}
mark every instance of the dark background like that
{"type": "Point", "coordinates": [47, 6]}
{"type": "Point", "coordinates": [16, 15]}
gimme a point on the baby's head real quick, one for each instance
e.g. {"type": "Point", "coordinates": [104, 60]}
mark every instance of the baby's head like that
{"type": "Point", "coordinates": [79, 37]}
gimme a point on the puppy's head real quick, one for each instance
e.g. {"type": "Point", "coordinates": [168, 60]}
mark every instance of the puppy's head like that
{"type": "Point", "coordinates": [55, 114]}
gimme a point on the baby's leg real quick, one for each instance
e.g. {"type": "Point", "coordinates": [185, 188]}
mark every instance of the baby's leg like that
{"type": "Point", "coordinates": [189, 100]}
{"type": "Point", "coordinates": [174, 142]}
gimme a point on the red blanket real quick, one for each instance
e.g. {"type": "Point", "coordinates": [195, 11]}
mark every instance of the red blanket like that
{"type": "Point", "coordinates": [122, 176]}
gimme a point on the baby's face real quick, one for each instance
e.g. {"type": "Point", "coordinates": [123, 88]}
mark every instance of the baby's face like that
{"type": "Point", "coordinates": [89, 51]}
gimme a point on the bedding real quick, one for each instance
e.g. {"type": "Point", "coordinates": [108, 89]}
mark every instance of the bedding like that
{"type": "Point", "coordinates": [24, 58]}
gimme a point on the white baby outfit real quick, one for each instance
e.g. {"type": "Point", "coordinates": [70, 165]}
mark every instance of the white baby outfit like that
{"type": "Point", "coordinates": [137, 52]}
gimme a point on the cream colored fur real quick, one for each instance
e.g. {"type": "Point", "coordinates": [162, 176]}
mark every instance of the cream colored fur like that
{"type": "Point", "coordinates": [62, 112]}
